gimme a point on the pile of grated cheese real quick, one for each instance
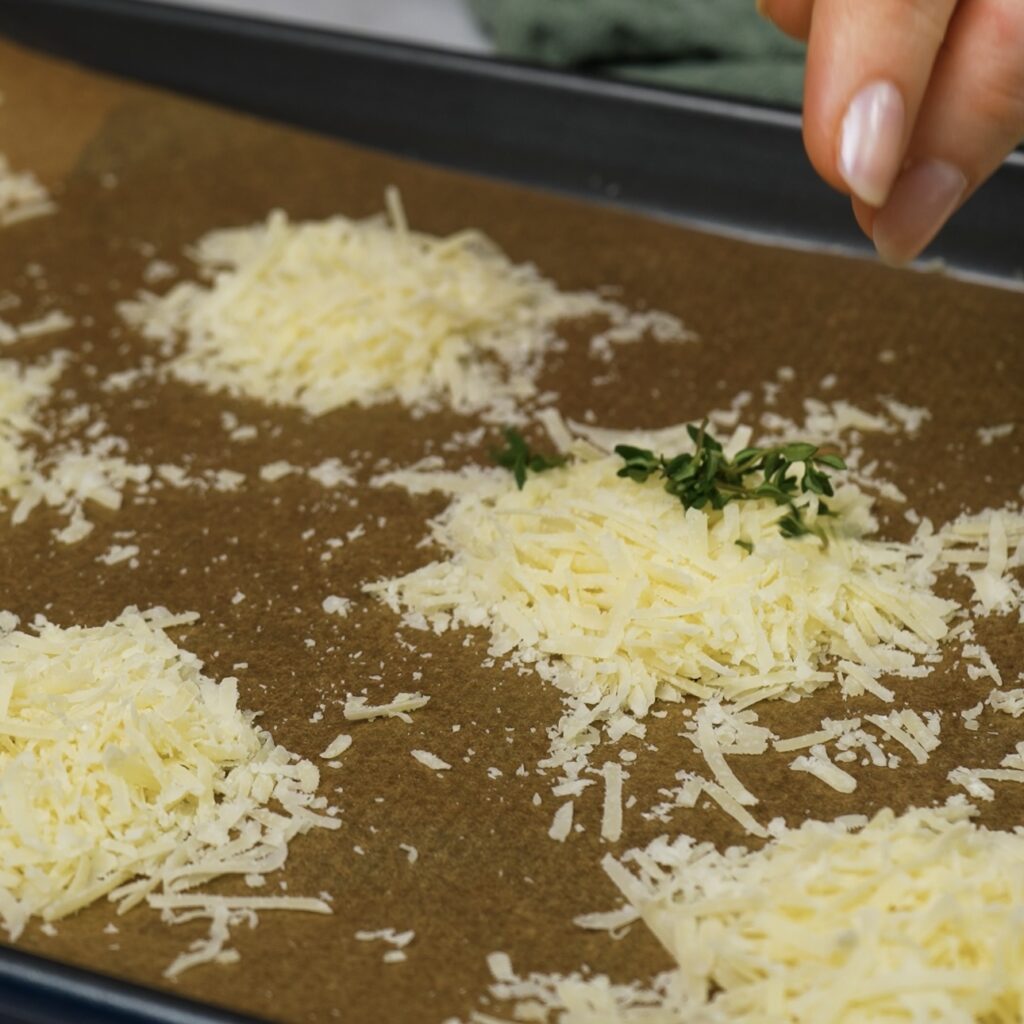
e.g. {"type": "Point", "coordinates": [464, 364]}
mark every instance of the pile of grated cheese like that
{"type": "Point", "coordinates": [125, 772]}
{"type": "Point", "coordinates": [22, 196]}
{"type": "Point", "coordinates": [913, 918]}
{"type": "Point", "coordinates": [329, 313]}
{"type": "Point", "coordinates": [71, 474]}
{"type": "Point", "coordinates": [617, 595]}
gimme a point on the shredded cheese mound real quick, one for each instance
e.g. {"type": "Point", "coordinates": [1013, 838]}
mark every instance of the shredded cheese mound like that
{"type": "Point", "coordinates": [613, 592]}
{"type": "Point", "coordinates": [335, 312]}
{"type": "Point", "coordinates": [127, 773]}
{"type": "Point", "coordinates": [22, 196]}
{"type": "Point", "coordinates": [910, 918]}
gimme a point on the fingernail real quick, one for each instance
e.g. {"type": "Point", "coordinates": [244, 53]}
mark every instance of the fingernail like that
{"type": "Point", "coordinates": [921, 202]}
{"type": "Point", "coordinates": [871, 142]}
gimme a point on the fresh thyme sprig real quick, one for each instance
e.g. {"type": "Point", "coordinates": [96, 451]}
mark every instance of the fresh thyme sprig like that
{"type": "Point", "coordinates": [707, 477]}
{"type": "Point", "coordinates": [517, 457]}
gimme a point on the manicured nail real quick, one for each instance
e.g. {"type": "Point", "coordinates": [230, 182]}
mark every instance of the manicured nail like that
{"type": "Point", "coordinates": [921, 202]}
{"type": "Point", "coordinates": [871, 142]}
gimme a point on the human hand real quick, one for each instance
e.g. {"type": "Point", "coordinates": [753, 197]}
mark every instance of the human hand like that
{"type": "Point", "coordinates": [909, 105]}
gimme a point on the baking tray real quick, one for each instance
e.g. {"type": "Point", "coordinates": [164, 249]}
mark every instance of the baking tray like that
{"type": "Point", "coordinates": [695, 159]}
{"type": "Point", "coordinates": [38, 991]}
{"type": "Point", "coordinates": [735, 166]}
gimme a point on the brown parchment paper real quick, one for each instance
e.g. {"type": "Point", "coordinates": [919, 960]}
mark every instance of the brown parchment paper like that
{"type": "Point", "coordinates": [138, 173]}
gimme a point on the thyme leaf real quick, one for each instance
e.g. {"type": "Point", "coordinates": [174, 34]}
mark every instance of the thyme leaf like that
{"type": "Point", "coordinates": [706, 477]}
{"type": "Point", "coordinates": [517, 457]}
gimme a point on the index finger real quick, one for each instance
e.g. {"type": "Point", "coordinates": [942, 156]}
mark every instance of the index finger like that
{"type": "Point", "coordinates": [868, 65]}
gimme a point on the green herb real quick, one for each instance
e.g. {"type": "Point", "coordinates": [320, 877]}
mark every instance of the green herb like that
{"type": "Point", "coordinates": [517, 457]}
{"type": "Point", "coordinates": [706, 477]}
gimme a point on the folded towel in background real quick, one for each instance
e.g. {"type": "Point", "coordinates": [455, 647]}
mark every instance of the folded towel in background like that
{"type": "Point", "coordinates": [716, 46]}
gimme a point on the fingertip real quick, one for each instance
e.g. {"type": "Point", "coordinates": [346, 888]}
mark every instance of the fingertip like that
{"type": "Point", "coordinates": [790, 16]}
{"type": "Point", "coordinates": [820, 148]}
{"type": "Point", "coordinates": [864, 215]}
{"type": "Point", "coordinates": [922, 201]}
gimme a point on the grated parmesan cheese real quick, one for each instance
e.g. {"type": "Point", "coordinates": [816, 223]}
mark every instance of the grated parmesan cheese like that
{"type": "Point", "coordinates": [70, 475]}
{"type": "Point", "coordinates": [334, 605]}
{"type": "Point", "coordinates": [1009, 702]}
{"type": "Point", "coordinates": [127, 773]}
{"type": "Point", "coordinates": [331, 473]}
{"type": "Point", "coordinates": [988, 435]}
{"type": "Point", "coordinates": [818, 764]}
{"type": "Point", "coordinates": [330, 313]}
{"type": "Point", "coordinates": [429, 760]}
{"type": "Point", "coordinates": [975, 780]}
{"type": "Point", "coordinates": [22, 196]}
{"type": "Point", "coordinates": [337, 746]}
{"type": "Point", "coordinates": [613, 593]}
{"type": "Point", "coordinates": [274, 471]}
{"type": "Point", "coordinates": [395, 939]}
{"type": "Point", "coordinates": [561, 824]}
{"type": "Point", "coordinates": [912, 918]}
{"type": "Point", "coordinates": [118, 553]}
{"type": "Point", "coordinates": [611, 817]}
{"type": "Point", "coordinates": [50, 323]}
{"type": "Point", "coordinates": [357, 709]}
{"type": "Point", "coordinates": [985, 548]}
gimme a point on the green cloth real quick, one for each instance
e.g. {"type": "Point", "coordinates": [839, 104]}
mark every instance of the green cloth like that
{"type": "Point", "coordinates": [716, 46]}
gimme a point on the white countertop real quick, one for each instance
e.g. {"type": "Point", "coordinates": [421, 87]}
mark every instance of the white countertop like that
{"type": "Point", "coordinates": [444, 23]}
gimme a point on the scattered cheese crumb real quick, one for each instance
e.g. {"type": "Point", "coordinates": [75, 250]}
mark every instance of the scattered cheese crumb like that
{"type": "Point", "coordinates": [561, 824]}
{"type": "Point", "coordinates": [357, 710]}
{"type": "Point", "coordinates": [430, 760]}
{"type": "Point", "coordinates": [118, 553]}
{"type": "Point", "coordinates": [21, 196]}
{"type": "Point", "coordinates": [51, 323]}
{"type": "Point", "coordinates": [1009, 702]}
{"type": "Point", "coordinates": [819, 765]}
{"type": "Point", "coordinates": [71, 474]}
{"type": "Point", "coordinates": [971, 715]}
{"type": "Point", "coordinates": [334, 605]}
{"type": "Point", "coordinates": [337, 746]}
{"type": "Point", "coordinates": [975, 780]}
{"type": "Point", "coordinates": [332, 473]}
{"type": "Point", "coordinates": [988, 435]}
{"type": "Point", "coordinates": [611, 817]}
{"type": "Point", "coordinates": [274, 471]}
